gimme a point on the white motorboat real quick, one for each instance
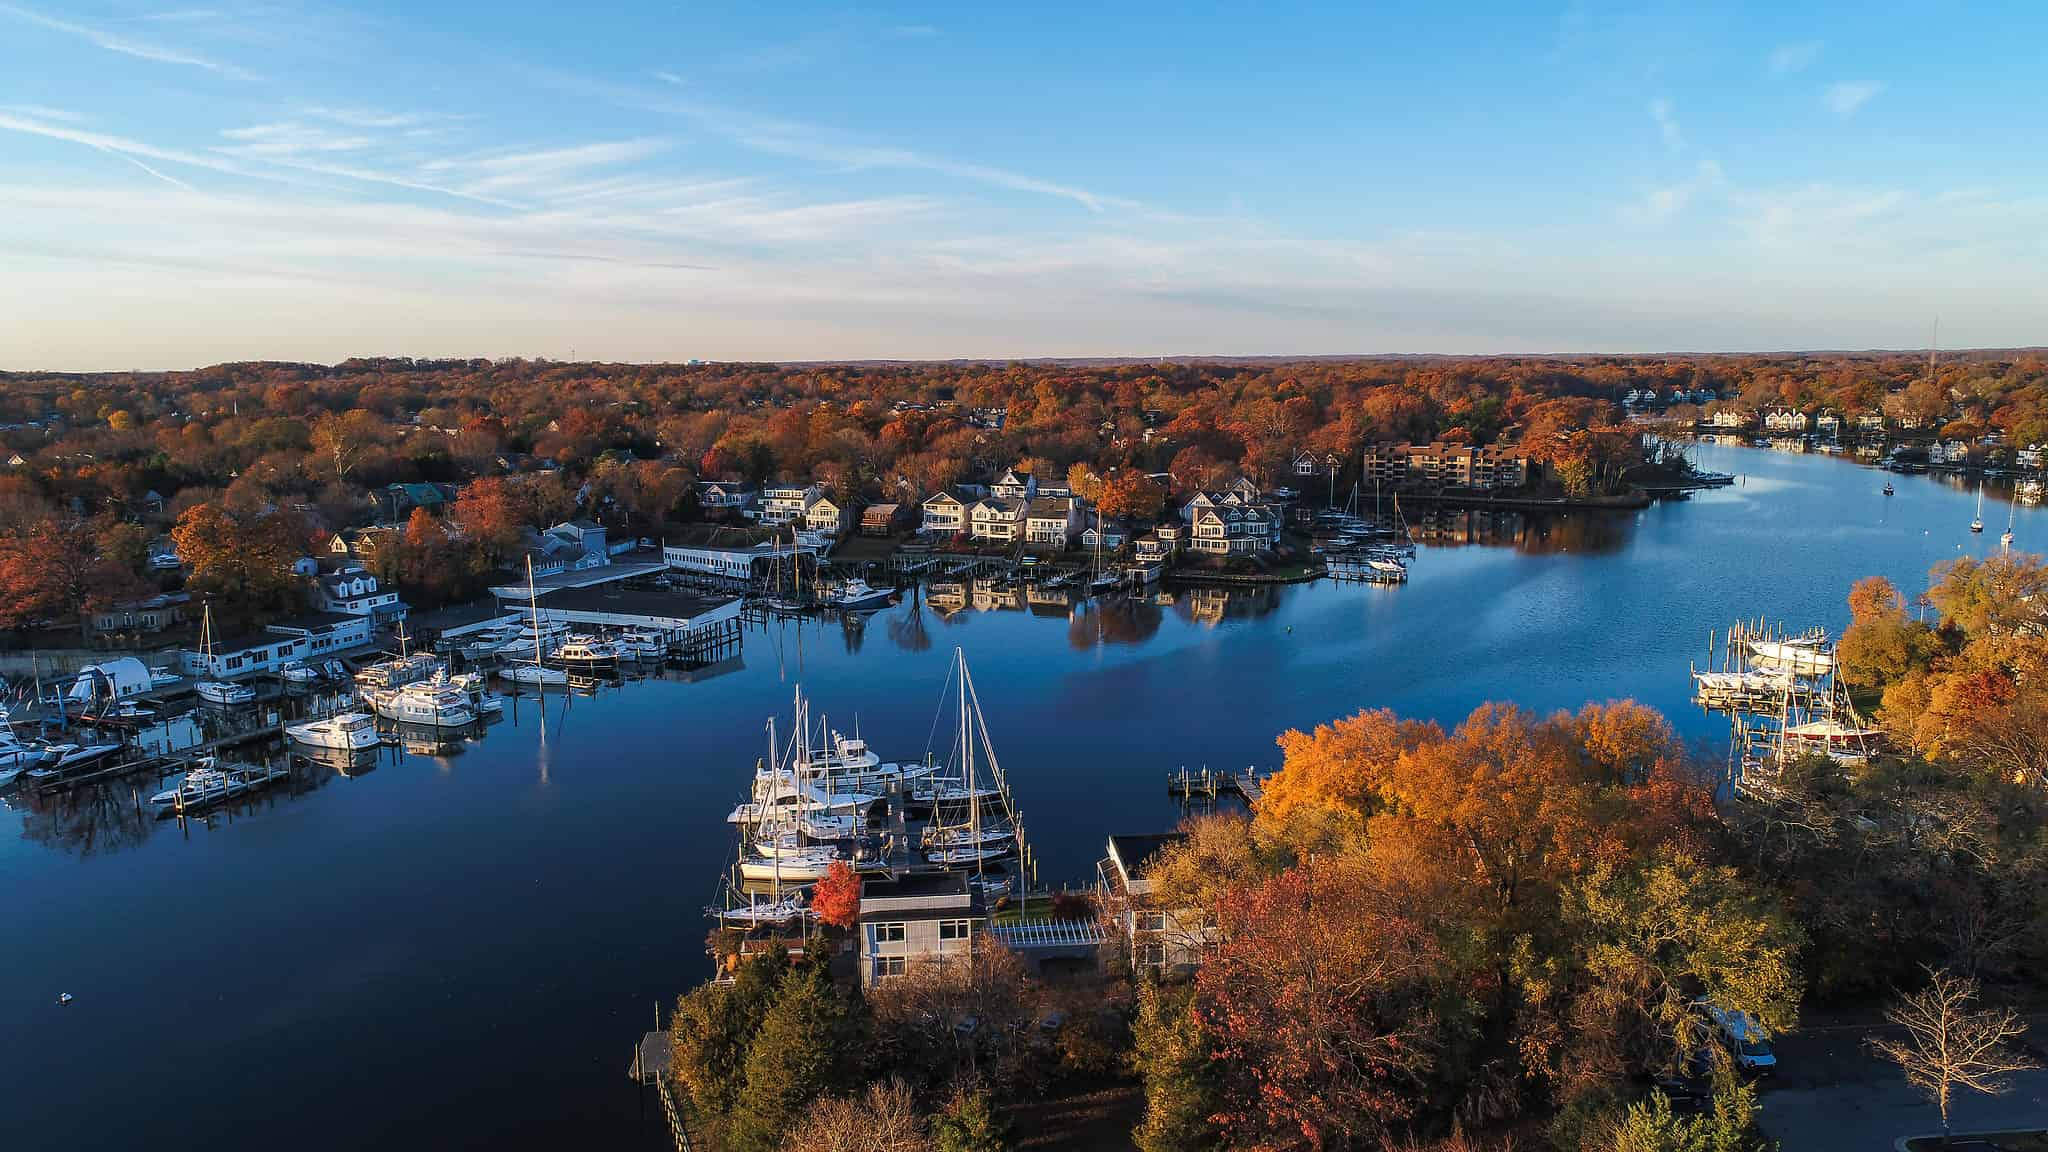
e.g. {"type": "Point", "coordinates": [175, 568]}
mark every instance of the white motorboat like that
{"type": "Point", "coordinates": [481, 699]}
{"type": "Point", "coordinates": [64, 759]}
{"type": "Point", "coordinates": [208, 785]}
{"type": "Point", "coordinates": [224, 692]}
{"type": "Point", "coordinates": [586, 653]}
{"type": "Point", "coordinates": [295, 672]}
{"type": "Point", "coordinates": [641, 644]}
{"type": "Point", "coordinates": [432, 703]}
{"type": "Point", "coordinates": [1803, 656]}
{"type": "Point", "coordinates": [16, 756]}
{"type": "Point", "coordinates": [857, 595]}
{"type": "Point", "coordinates": [348, 731]}
{"type": "Point", "coordinates": [536, 674]}
{"type": "Point", "coordinates": [164, 678]}
{"type": "Point", "coordinates": [397, 672]}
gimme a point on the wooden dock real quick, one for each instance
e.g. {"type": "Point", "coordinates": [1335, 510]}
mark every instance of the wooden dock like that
{"type": "Point", "coordinates": [1206, 785]}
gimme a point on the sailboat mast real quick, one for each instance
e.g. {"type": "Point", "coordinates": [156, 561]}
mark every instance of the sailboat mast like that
{"type": "Point", "coordinates": [533, 606]}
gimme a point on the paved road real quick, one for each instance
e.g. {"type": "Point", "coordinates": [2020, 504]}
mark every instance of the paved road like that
{"type": "Point", "coordinates": [1835, 1095]}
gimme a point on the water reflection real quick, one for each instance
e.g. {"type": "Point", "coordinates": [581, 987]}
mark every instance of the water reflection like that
{"type": "Point", "coordinates": [116, 816]}
{"type": "Point", "coordinates": [1536, 533]}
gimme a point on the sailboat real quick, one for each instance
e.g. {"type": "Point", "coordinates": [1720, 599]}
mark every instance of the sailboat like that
{"type": "Point", "coordinates": [1977, 521]}
{"type": "Point", "coordinates": [2005, 541]}
{"type": "Point", "coordinates": [791, 601]}
{"type": "Point", "coordinates": [959, 835]}
{"type": "Point", "coordinates": [536, 673]}
{"type": "Point", "coordinates": [217, 691]}
{"type": "Point", "coordinates": [1101, 581]}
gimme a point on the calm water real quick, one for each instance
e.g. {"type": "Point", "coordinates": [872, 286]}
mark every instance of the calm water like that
{"type": "Point", "coordinates": [461, 951]}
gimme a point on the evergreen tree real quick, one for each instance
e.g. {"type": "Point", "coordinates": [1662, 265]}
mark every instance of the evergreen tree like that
{"type": "Point", "coordinates": [812, 1041]}
{"type": "Point", "coordinates": [970, 1123]}
{"type": "Point", "coordinates": [1172, 1058]}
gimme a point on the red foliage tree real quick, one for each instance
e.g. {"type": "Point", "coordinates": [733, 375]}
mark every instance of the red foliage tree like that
{"type": "Point", "coordinates": [836, 898]}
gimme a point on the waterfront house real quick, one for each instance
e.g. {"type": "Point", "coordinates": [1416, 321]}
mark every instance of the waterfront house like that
{"type": "Point", "coordinates": [997, 519]}
{"type": "Point", "coordinates": [1151, 549]}
{"type": "Point", "coordinates": [945, 514]}
{"type": "Point", "coordinates": [148, 614]}
{"type": "Point", "coordinates": [263, 653]}
{"type": "Point", "coordinates": [788, 502]}
{"type": "Point", "coordinates": [2028, 457]}
{"type": "Point", "coordinates": [1109, 534]}
{"type": "Point", "coordinates": [827, 517]}
{"type": "Point", "coordinates": [1155, 938]}
{"type": "Point", "coordinates": [573, 545]}
{"type": "Point", "coordinates": [344, 587]}
{"type": "Point", "coordinates": [1308, 464]}
{"type": "Point", "coordinates": [725, 500]}
{"type": "Point", "coordinates": [1729, 418]}
{"type": "Point", "coordinates": [1785, 420]}
{"type": "Point", "coordinates": [1828, 423]}
{"type": "Point", "coordinates": [1015, 485]}
{"type": "Point", "coordinates": [320, 635]}
{"type": "Point", "coordinates": [883, 519]}
{"type": "Point", "coordinates": [1052, 522]}
{"type": "Point", "coordinates": [1870, 422]}
{"type": "Point", "coordinates": [916, 920]}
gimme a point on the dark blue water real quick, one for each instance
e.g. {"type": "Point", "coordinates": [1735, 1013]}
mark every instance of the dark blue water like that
{"type": "Point", "coordinates": [460, 951]}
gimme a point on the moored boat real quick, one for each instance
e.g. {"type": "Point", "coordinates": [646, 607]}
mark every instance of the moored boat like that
{"type": "Point", "coordinates": [348, 731]}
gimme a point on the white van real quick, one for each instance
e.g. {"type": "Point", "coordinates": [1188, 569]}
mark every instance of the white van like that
{"type": "Point", "coordinates": [1744, 1037]}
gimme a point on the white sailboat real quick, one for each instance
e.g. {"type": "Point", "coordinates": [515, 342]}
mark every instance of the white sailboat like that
{"type": "Point", "coordinates": [536, 673]}
{"type": "Point", "coordinates": [1977, 521]}
{"type": "Point", "coordinates": [959, 836]}
{"type": "Point", "coordinates": [217, 691]}
{"type": "Point", "coordinates": [2011, 510]}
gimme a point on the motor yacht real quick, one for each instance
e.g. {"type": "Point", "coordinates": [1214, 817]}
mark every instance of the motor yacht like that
{"type": "Point", "coordinates": [348, 731]}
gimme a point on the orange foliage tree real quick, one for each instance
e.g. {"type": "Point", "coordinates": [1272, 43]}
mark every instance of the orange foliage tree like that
{"type": "Point", "coordinates": [835, 899]}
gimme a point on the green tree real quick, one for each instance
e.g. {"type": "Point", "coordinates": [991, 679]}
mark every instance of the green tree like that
{"type": "Point", "coordinates": [1171, 1056]}
{"type": "Point", "coordinates": [970, 1123]}
{"type": "Point", "coordinates": [1651, 1126]}
{"type": "Point", "coordinates": [713, 1028]}
{"type": "Point", "coordinates": [812, 1042]}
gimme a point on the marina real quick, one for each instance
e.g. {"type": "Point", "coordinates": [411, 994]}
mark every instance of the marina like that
{"type": "Point", "coordinates": [603, 816]}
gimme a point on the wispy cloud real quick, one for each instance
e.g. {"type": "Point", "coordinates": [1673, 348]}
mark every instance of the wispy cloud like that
{"type": "Point", "coordinates": [117, 145]}
{"type": "Point", "coordinates": [1660, 202]}
{"type": "Point", "coordinates": [365, 117]}
{"type": "Point", "coordinates": [290, 138]}
{"type": "Point", "coordinates": [1667, 124]}
{"type": "Point", "coordinates": [126, 45]}
{"type": "Point", "coordinates": [1843, 98]}
{"type": "Point", "coordinates": [1789, 58]}
{"type": "Point", "coordinates": [44, 112]}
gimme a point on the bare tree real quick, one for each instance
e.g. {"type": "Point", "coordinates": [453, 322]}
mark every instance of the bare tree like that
{"type": "Point", "coordinates": [884, 1119]}
{"type": "Point", "coordinates": [1951, 1044]}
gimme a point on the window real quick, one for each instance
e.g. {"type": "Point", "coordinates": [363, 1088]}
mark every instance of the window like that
{"type": "Point", "coordinates": [1151, 921]}
{"type": "Point", "coordinates": [955, 929]}
{"type": "Point", "coordinates": [889, 933]}
{"type": "Point", "coordinates": [889, 965]}
{"type": "Point", "coordinates": [1151, 955]}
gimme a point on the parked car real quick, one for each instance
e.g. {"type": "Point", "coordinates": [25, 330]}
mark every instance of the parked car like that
{"type": "Point", "coordinates": [1743, 1036]}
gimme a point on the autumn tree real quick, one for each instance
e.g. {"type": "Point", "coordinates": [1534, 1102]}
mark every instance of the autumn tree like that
{"type": "Point", "coordinates": [244, 560]}
{"type": "Point", "coordinates": [1882, 644]}
{"type": "Point", "coordinates": [970, 1122]}
{"type": "Point", "coordinates": [1320, 997]}
{"type": "Point", "coordinates": [1132, 494]}
{"type": "Point", "coordinates": [1950, 1044]}
{"type": "Point", "coordinates": [349, 438]}
{"type": "Point", "coordinates": [1171, 1055]}
{"type": "Point", "coordinates": [835, 898]}
{"type": "Point", "coordinates": [489, 514]}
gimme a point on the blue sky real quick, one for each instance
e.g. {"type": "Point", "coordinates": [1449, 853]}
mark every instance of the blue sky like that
{"type": "Point", "coordinates": [186, 185]}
